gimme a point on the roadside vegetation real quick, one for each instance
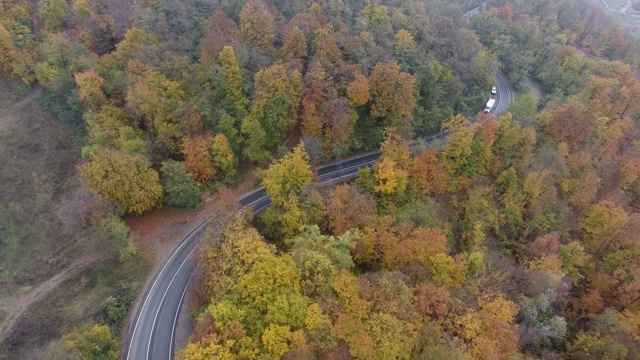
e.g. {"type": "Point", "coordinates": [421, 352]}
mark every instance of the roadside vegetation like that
{"type": "Point", "coordinates": [515, 238]}
{"type": "Point", "coordinates": [45, 243]}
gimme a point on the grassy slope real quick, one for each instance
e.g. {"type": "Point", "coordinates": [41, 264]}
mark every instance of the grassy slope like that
{"type": "Point", "coordinates": [76, 301]}
{"type": "Point", "coordinates": [38, 159]}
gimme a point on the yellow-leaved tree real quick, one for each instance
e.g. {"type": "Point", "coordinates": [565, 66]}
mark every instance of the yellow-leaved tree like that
{"type": "Point", "coordinates": [126, 179]}
{"type": "Point", "coordinates": [391, 172]}
{"type": "Point", "coordinates": [90, 88]}
{"type": "Point", "coordinates": [223, 156]}
{"type": "Point", "coordinates": [7, 50]}
{"type": "Point", "coordinates": [390, 178]}
{"type": "Point", "coordinates": [288, 175]}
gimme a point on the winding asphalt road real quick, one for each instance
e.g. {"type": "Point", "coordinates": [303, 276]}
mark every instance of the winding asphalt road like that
{"type": "Point", "coordinates": [151, 331]}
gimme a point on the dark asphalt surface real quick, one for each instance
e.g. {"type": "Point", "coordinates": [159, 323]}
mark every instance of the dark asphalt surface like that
{"type": "Point", "coordinates": [151, 332]}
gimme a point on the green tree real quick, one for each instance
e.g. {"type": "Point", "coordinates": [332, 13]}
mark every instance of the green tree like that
{"type": "Point", "coordinates": [126, 179]}
{"type": "Point", "coordinates": [114, 240]}
{"type": "Point", "coordinates": [514, 144]}
{"type": "Point", "coordinates": [375, 19]}
{"type": "Point", "coordinates": [316, 271]}
{"type": "Point", "coordinates": [180, 189]}
{"type": "Point", "coordinates": [524, 107]}
{"type": "Point", "coordinates": [575, 260]}
{"type": "Point", "coordinates": [153, 100]}
{"type": "Point", "coordinates": [257, 24]}
{"type": "Point", "coordinates": [404, 49]}
{"type": "Point", "coordinates": [273, 111]}
{"type": "Point", "coordinates": [275, 102]}
{"type": "Point", "coordinates": [337, 249]}
{"type": "Point", "coordinates": [594, 346]}
{"type": "Point", "coordinates": [255, 140]}
{"type": "Point", "coordinates": [226, 314]}
{"type": "Point", "coordinates": [233, 81]}
{"type": "Point", "coordinates": [228, 126]}
{"type": "Point", "coordinates": [53, 13]}
{"type": "Point", "coordinates": [279, 116]}
{"type": "Point", "coordinates": [288, 309]}
{"type": "Point", "coordinates": [92, 342]}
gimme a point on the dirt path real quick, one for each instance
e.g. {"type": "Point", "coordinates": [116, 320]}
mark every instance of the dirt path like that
{"type": "Point", "coordinates": [534, 87]}
{"type": "Point", "coordinates": [14, 307]}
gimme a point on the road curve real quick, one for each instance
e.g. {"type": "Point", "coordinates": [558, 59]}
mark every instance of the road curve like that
{"type": "Point", "coordinates": [150, 333]}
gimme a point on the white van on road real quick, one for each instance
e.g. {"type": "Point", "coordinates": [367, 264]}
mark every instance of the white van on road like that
{"type": "Point", "coordinates": [489, 106]}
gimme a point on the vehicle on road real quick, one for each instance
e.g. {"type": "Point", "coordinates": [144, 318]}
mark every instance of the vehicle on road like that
{"type": "Point", "coordinates": [489, 106]}
{"type": "Point", "coordinates": [494, 90]}
{"type": "Point", "coordinates": [151, 330]}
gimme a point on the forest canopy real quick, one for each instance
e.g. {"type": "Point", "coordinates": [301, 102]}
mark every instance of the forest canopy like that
{"type": "Point", "coordinates": [515, 238]}
{"type": "Point", "coordinates": [215, 85]}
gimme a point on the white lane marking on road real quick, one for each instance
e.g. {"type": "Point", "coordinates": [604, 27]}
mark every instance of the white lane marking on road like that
{"type": "Point", "coordinates": [248, 194]}
{"type": "Point", "coordinates": [430, 138]}
{"type": "Point", "coordinates": [249, 205]}
{"type": "Point", "coordinates": [508, 87]}
{"type": "Point", "coordinates": [495, 110]}
{"type": "Point", "coordinates": [346, 168]}
{"type": "Point", "coordinates": [146, 300]}
{"type": "Point", "coordinates": [175, 319]}
{"type": "Point", "coordinates": [155, 319]}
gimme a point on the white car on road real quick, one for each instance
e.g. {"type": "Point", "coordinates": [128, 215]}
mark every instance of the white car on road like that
{"type": "Point", "coordinates": [494, 90]}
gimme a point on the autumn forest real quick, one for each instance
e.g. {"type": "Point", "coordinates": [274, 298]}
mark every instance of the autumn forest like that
{"type": "Point", "coordinates": [516, 238]}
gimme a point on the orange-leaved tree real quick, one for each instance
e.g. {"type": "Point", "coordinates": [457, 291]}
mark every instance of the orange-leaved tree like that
{"type": "Point", "coordinates": [392, 93]}
{"type": "Point", "coordinates": [197, 157]}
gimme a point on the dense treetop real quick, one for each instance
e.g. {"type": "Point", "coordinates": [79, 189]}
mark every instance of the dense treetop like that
{"type": "Point", "coordinates": [517, 238]}
{"type": "Point", "coordinates": [165, 79]}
